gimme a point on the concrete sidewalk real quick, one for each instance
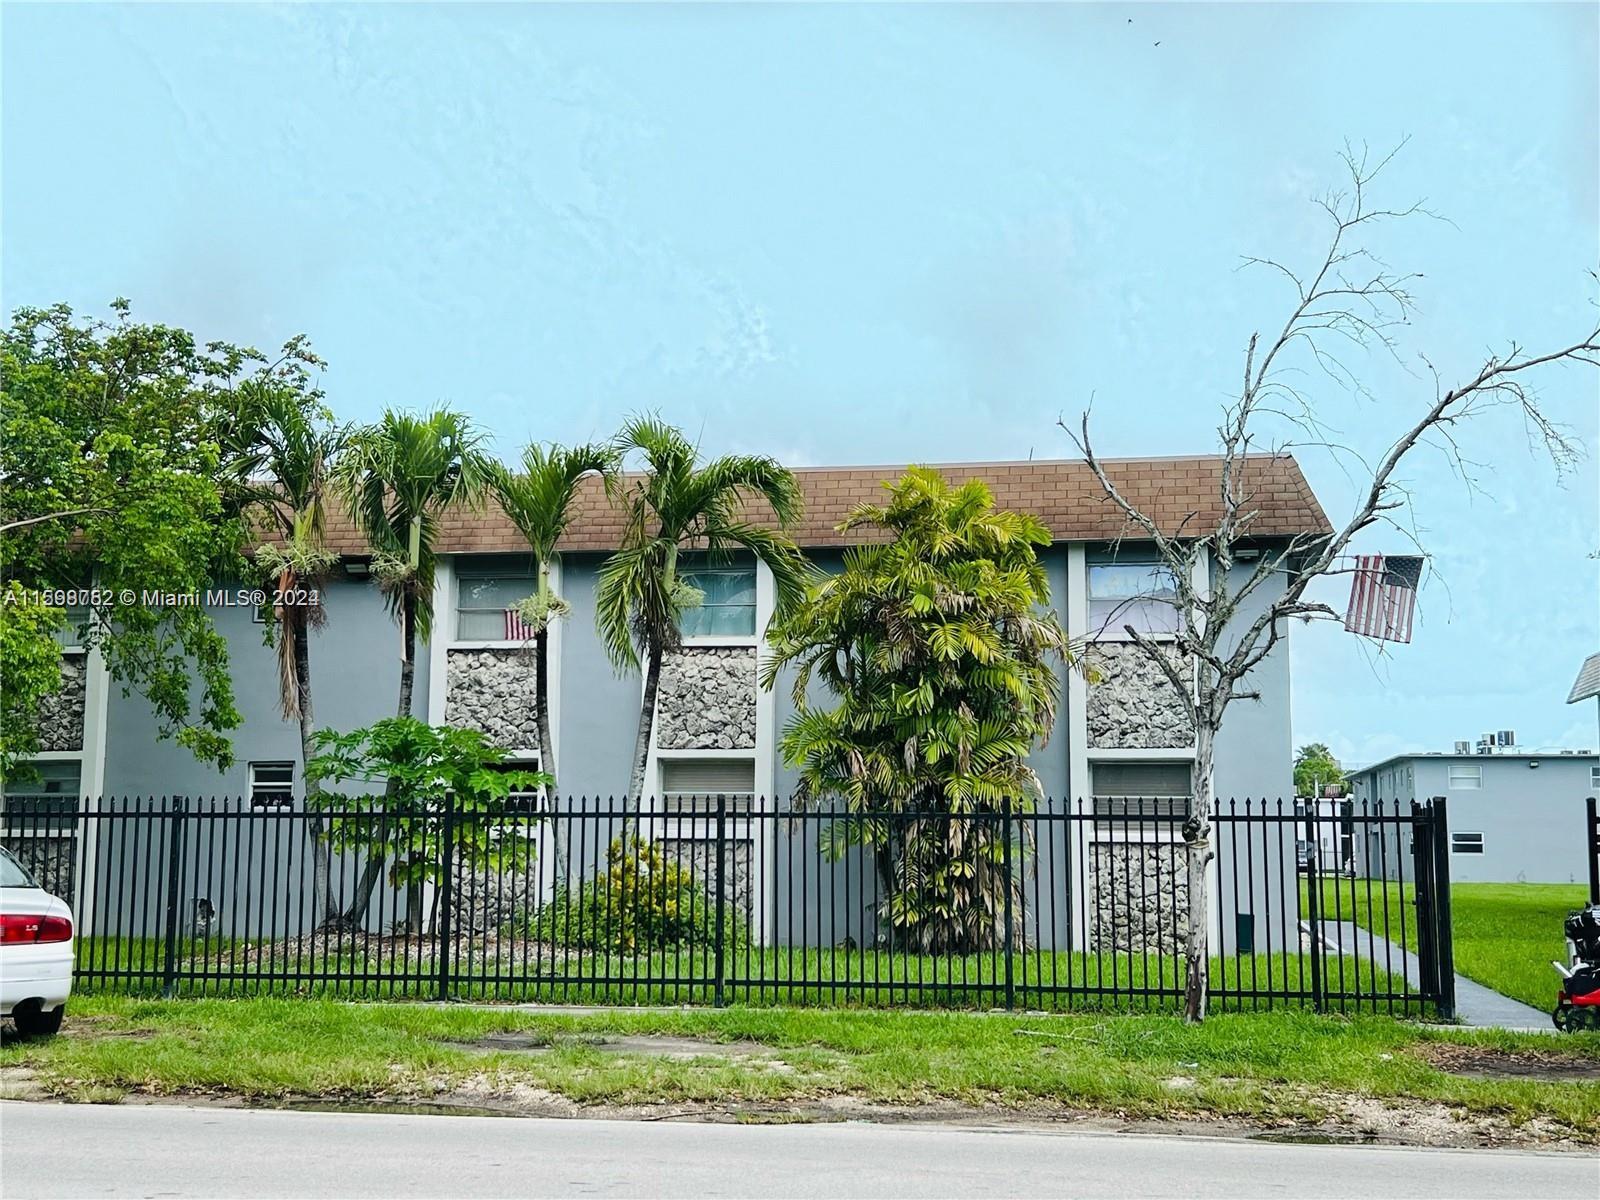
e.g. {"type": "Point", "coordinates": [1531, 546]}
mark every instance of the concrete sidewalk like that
{"type": "Point", "coordinates": [1476, 1005]}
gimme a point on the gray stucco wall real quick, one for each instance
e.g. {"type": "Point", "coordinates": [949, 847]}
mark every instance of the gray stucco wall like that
{"type": "Point", "coordinates": [355, 680]}
{"type": "Point", "coordinates": [355, 671]}
{"type": "Point", "coordinates": [1255, 763]}
{"type": "Point", "coordinates": [599, 708]}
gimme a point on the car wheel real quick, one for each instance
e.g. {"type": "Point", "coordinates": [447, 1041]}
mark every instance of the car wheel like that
{"type": "Point", "coordinates": [40, 1022]}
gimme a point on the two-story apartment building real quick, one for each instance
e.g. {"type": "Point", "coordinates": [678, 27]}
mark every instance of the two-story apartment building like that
{"type": "Point", "coordinates": [716, 729]}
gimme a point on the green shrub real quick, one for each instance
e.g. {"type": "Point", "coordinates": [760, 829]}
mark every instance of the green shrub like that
{"type": "Point", "coordinates": [644, 900]}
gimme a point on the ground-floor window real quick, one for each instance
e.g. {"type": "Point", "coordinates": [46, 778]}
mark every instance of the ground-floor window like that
{"type": "Point", "coordinates": [37, 794]}
{"type": "Point", "coordinates": [271, 784]}
{"type": "Point", "coordinates": [529, 801]}
{"type": "Point", "coordinates": [692, 785]}
{"type": "Point", "coordinates": [1466, 843]}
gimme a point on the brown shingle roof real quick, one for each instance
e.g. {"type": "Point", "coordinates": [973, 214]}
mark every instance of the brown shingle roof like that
{"type": "Point", "coordinates": [1064, 495]}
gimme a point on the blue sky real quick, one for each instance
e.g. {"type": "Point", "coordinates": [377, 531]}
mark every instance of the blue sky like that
{"type": "Point", "coordinates": [868, 234]}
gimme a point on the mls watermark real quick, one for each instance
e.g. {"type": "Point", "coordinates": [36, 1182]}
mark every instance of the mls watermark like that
{"type": "Point", "coordinates": [224, 597]}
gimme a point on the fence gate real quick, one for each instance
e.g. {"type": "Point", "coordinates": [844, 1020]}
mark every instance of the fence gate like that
{"type": "Point", "coordinates": [1592, 829]}
{"type": "Point", "coordinates": [1430, 865]}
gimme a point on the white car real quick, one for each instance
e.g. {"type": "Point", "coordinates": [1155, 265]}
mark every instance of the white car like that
{"type": "Point", "coordinates": [35, 951]}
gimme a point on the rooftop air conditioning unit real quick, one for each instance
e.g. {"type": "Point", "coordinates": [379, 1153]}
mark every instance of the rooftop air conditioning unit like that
{"type": "Point", "coordinates": [1506, 737]}
{"type": "Point", "coordinates": [1463, 747]}
{"type": "Point", "coordinates": [1486, 744]}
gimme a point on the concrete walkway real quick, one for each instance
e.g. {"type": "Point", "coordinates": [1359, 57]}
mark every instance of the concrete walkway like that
{"type": "Point", "coordinates": [1476, 1005]}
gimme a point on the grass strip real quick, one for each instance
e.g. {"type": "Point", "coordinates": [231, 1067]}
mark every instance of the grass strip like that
{"type": "Point", "coordinates": [1277, 1065]}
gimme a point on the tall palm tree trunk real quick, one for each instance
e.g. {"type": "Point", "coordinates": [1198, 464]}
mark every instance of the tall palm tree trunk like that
{"type": "Point", "coordinates": [547, 743]}
{"type": "Point", "coordinates": [408, 654]}
{"type": "Point", "coordinates": [322, 906]}
{"type": "Point", "coordinates": [647, 718]}
{"type": "Point", "coordinates": [356, 914]}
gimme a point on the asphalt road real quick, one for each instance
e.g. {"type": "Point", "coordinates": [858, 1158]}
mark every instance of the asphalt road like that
{"type": "Point", "coordinates": [159, 1151]}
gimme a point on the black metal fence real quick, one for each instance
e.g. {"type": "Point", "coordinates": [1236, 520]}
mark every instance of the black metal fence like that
{"type": "Point", "coordinates": [727, 900]}
{"type": "Point", "coordinates": [1591, 827]}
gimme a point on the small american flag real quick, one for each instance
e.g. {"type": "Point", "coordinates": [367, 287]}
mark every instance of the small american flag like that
{"type": "Point", "coordinates": [1383, 597]}
{"type": "Point", "coordinates": [517, 630]}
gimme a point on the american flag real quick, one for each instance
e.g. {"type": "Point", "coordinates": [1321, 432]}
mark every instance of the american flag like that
{"type": "Point", "coordinates": [1383, 597]}
{"type": "Point", "coordinates": [517, 630]}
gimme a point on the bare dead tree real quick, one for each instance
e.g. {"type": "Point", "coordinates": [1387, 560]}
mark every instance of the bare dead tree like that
{"type": "Point", "coordinates": [1350, 300]}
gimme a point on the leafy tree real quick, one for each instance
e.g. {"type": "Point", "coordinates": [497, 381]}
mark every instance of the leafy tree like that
{"type": "Point", "coordinates": [938, 646]}
{"type": "Point", "coordinates": [113, 439]}
{"type": "Point", "coordinates": [287, 447]}
{"type": "Point", "coordinates": [1314, 768]}
{"type": "Point", "coordinates": [423, 767]}
{"type": "Point", "coordinates": [397, 478]}
{"type": "Point", "coordinates": [678, 503]}
{"type": "Point", "coordinates": [538, 501]}
{"type": "Point", "coordinates": [30, 661]}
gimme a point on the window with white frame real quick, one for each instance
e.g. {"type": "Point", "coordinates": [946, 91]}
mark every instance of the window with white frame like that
{"type": "Point", "coordinates": [1465, 777]}
{"type": "Point", "coordinates": [271, 784]}
{"type": "Point", "coordinates": [1141, 789]}
{"type": "Point", "coordinates": [1466, 843]}
{"type": "Point", "coordinates": [488, 591]}
{"type": "Point", "coordinates": [70, 632]}
{"type": "Point", "coordinates": [692, 785]}
{"type": "Point", "coordinates": [1143, 595]}
{"type": "Point", "coordinates": [1594, 777]}
{"type": "Point", "coordinates": [526, 800]}
{"type": "Point", "coordinates": [40, 796]}
{"type": "Point", "coordinates": [727, 606]}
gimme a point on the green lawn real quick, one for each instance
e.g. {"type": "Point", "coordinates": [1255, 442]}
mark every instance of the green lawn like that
{"type": "Point", "coordinates": [1291, 1065]}
{"type": "Point", "coordinates": [395, 969]}
{"type": "Point", "coordinates": [1505, 933]}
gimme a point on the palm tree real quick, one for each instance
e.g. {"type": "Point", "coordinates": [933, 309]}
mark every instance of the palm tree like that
{"type": "Point", "coordinates": [398, 477]}
{"type": "Point", "coordinates": [289, 446]}
{"type": "Point", "coordinates": [676, 504]}
{"type": "Point", "coordinates": [938, 646]}
{"type": "Point", "coordinates": [538, 501]}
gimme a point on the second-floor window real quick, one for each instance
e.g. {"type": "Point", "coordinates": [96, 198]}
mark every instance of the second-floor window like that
{"type": "Point", "coordinates": [487, 594]}
{"type": "Point", "coordinates": [728, 608]}
{"type": "Point", "coordinates": [1465, 777]}
{"type": "Point", "coordinates": [1142, 595]}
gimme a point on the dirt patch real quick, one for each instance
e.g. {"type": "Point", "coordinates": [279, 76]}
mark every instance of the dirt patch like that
{"type": "Point", "coordinates": [684, 1048]}
{"type": "Point", "coordinates": [20, 1083]}
{"type": "Point", "coordinates": [1421, 1123]}
{"type": "Point", "coordinates": [681, 1048]}
{"type": "Point", "coordinates": [1485, 1062]}
{"type": "Point", "coordinates": [505, 1043]}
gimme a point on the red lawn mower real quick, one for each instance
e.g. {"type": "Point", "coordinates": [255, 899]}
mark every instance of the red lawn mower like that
{"type": "Point", "coordinates": [1578, 1002]}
